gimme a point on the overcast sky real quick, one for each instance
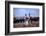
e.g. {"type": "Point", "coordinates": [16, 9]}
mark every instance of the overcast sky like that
{"type": "Point", "coordinates": [34, 12]}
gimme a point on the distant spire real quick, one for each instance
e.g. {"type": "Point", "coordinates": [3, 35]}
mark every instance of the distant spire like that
{"type": "Point", "coordinates": [29, 14]}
